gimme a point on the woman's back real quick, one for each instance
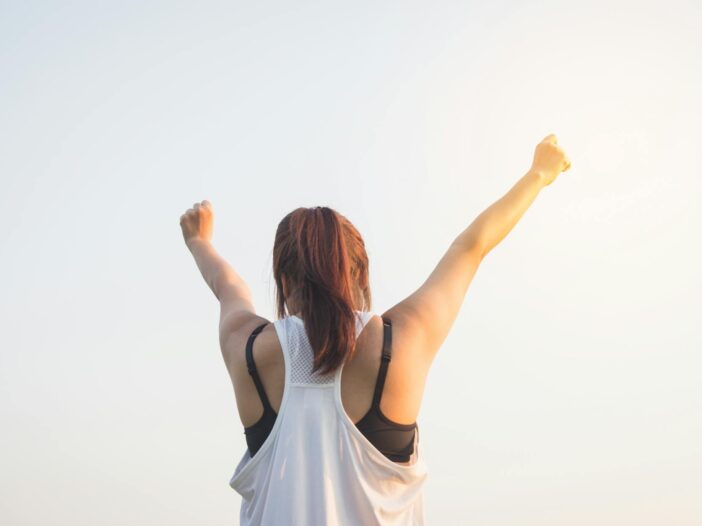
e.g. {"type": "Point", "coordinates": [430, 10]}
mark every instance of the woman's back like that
{"type": "Point", "coordinates": [316, 466]}
{"type": "Point", "coordinates": [402, 391]}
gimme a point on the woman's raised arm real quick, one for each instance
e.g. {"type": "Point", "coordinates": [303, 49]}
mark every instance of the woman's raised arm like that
{"type": "Point", "coordinates": [428, 314]}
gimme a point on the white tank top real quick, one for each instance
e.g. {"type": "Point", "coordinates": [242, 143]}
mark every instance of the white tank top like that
{"type": "Point", "coordinates": [316, 467]}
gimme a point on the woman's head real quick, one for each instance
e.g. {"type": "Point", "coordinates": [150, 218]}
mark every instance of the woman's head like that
{"type": "Point", "coordinates": [320, 266]}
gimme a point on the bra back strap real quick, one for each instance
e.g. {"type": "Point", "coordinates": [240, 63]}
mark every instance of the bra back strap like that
{"type": "Point", "coordinates": [251, 366]}
{"type": "Point", "coordinates": [384, 361]}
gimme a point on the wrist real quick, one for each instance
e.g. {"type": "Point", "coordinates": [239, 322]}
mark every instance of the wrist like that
{"type": "Point", "coordinates": [196, 241]}
{"type": "Point", "coordinates": [538, 176]}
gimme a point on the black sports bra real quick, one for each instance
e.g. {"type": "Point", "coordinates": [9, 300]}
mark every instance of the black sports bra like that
{"type": "Point", "coordinates": [394, 440]}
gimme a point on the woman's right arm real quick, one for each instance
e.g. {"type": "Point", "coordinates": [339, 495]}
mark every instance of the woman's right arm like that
{"type": "Point", "coordinates": [498, 219]}
{"type": "Point", "coordinates": [428, 314]}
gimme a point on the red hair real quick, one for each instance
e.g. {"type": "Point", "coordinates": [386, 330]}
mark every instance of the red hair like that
{"type": "Point", "coordinates": [325, 264]}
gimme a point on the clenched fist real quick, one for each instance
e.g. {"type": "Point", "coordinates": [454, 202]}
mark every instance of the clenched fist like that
{"type": "Point", "coordinates": [197, 222]}
{"type": "Point", "coordinates": [549, 159]}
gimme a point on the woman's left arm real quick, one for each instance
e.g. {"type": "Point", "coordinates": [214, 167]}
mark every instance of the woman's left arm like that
{"type": "Point", "coordinates": [230, 289]}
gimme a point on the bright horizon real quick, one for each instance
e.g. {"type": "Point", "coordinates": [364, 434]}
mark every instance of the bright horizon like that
{"type": "Point", "coordinates": [568, 390]}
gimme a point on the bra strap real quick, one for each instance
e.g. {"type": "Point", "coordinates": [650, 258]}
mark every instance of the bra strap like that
{"type": "Point", "coordinates": [384, 361]}
{"type": "Point", "coordinates": [251, 366]}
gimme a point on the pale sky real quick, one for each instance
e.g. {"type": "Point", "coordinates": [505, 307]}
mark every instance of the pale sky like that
{"type": "Point", "coordinates": [568, 391]}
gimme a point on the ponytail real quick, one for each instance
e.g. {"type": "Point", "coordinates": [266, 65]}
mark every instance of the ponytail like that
{"type": "Point", "coordinates": [324, 260]}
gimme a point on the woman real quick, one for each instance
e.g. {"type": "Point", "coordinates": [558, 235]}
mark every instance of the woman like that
{"type": "Point", "coordinates": [325, 448]}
